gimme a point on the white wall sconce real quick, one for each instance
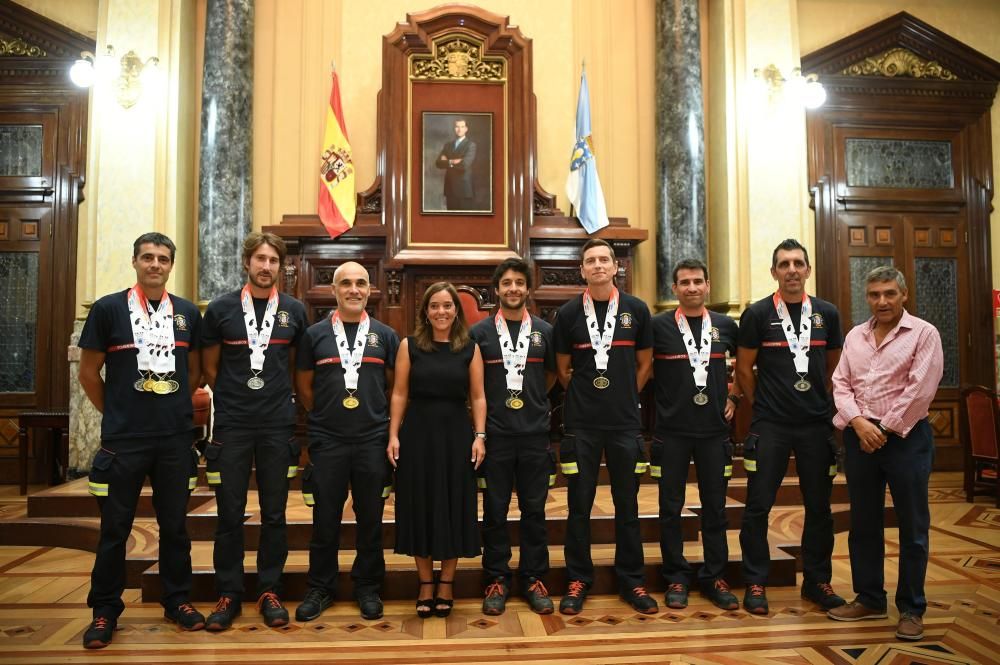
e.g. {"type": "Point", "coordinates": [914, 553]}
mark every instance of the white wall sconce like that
{"type": "Point", "coordinates": [129, 74]}
{"type": "Point", "coordinates": [806, 90]}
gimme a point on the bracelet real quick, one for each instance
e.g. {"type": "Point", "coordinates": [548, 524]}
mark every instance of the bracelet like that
{"type": "Point", "coordinates": [735, 398]}
{"type": "Point", "coordinates": [481, 435]}
{"type": "Point", "coordinates": [883, 429]}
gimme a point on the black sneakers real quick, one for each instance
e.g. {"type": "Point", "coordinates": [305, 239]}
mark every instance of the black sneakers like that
{"type": "Point", "coordinates": [100, 632]}
{"type": "Point", "coordinates": [677, 596]}
{"type": "Point", "coordinates": [370, 605]}
{"type": "Point", "coordinates": [185, 616]}
{"type": "Point", "coordinates": [226, 610]}
{"type": "Point", "coordinates": [640, 600]}
{"type": "Point", "coordinates": [495, 600]}
{"type": "Point", "coordinates": [718, 592]}
{"type": "Point", "coordinates": [270, 607]}
{"type": "Point", "coordinates": [572, 602]}
{"type": "Point", "coordinates": [538, 597]}
{"type": "Point", "coordinates": [313, 604]}
{"type": "Point", "coordinates": [755, 599]}
{"type": "Point", "coordinates": [822, 594]}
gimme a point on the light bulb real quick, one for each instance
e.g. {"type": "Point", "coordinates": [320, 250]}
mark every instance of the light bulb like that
{"type": "Point", "coordinates": [813, 95]}
{"type": "Point", "coordinates": [82, 73]}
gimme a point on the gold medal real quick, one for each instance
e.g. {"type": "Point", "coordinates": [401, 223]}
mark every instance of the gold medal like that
{"type": "Point", "coordinates": [351, 402]}
{"type": "Point", "coordinates": [601, 382]}
{"type": "Point", "coordinates": [802, 385]}
{"type": "Point", "coordinates": [515, 403]}
{"type": "Point", "coordinates": [148, 385]}
{"type": "Point", "coordinates": [161, 388]}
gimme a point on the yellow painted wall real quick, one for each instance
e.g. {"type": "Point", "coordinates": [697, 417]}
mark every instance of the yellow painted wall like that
{"type": "Point", "coordinates": [78, 15]}
{"type": "Point", "coordinates": [974, 22]}
{"type": "Point", "coordinates": [296, 40]}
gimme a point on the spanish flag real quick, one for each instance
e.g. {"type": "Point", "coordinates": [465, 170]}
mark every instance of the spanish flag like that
{"type": "Point", "coordinates": [337, 201]}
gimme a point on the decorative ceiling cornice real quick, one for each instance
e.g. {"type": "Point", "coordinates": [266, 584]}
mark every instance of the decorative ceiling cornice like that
{"type": "Point", "coordinates": [30, 35]}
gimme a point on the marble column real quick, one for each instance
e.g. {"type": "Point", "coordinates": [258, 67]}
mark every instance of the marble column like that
{"type": "Point", "coordinates": [225, 186]}
{"type": "Point", "coordinates": [680, 141]}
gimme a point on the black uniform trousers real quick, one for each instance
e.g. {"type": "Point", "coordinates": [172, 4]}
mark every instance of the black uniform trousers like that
{"type": "Point", "coordinates": [769, 445]}
{"type": "Point", "coordinates": [622, 450]}
{"type": "Point", "coordinates": [713, 463]}
{"type": "Point", "coordinates": [116, 478]}
{"type": "Point", "coordinates": [905, 465]}
{"type": "Point", "coordinates": [274, 455]}
{"type": "Point", "coordinates": [336, 465]}
{"type": "Point", "coordinates": [522, 460]}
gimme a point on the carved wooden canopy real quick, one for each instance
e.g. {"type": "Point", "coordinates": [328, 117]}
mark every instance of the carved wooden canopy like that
{"type": "Point", "coordinates": [32, 45]}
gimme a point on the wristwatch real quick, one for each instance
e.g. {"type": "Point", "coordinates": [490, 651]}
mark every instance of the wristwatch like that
{"type": "Point", "coordinates": [736, 398]}
{"type": "Point", "coordinates": [883, 429]}
{"type": "Point", "coordinates": [481, 435]}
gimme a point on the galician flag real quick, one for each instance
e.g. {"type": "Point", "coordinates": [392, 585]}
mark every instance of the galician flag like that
{"type": "Point", "coordinates": [583, 187]}
{"type": "Point", "coordinates": [337, 200]}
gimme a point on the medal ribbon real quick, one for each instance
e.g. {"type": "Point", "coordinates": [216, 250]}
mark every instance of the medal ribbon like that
{"type": "Point", "coordinates": [799, 346]}
{"type": "Point", "coordinates": [152, 332]}
{"type": "Point", "coordinates": [350, 358]}
{"type": "Point", "coordinates": [601, 341]}
{"type": "Point", "coordinates": [514, 358]}
{"type": "Point", "coordinates": [258, 341]}
{"type": "Point", "coordinates": [697, 357]}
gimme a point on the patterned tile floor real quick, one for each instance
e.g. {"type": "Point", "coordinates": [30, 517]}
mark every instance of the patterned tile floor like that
{"type": "Point", "coordinates": [43, 614]}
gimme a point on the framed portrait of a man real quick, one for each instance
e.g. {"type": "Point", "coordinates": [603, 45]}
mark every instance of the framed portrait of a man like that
{"type": "Point", "coordinates": [457, 170]}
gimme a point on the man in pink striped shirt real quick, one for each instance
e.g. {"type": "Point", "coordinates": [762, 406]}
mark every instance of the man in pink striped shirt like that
{"type": "Point", "coordinates": [887, 377]}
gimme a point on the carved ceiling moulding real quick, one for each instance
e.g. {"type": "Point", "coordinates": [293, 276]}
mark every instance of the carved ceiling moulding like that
{"type": "Point", "coordinates": [20, 48]}
{"type": "Point", "coordinates": [902, 63]}
{"type": "Point", "coordinates": [457, 58]}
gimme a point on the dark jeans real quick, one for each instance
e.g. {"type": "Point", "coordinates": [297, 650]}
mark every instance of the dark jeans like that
{"type": "Point", "coordinates": [524, 460]}
{"type": "Point", "coordinates": [713, 463]}
{"type": "Point", "coordinates": [116, 477]}
{"type": "Point", "coordinates": [622, 450]}
{"type": "Point", "coordinates": [905, 465]}
{"type": "Point", "coordinates": [335, 465]}
{"type": "Point", "coordinates": [274, 454]}
{"type": "Point", "coordinates": [815, 457]}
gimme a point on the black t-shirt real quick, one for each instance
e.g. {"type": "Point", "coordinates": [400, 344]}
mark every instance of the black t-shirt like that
{"type": "Point", "coordinates": [236, 404]}
{"type": "Point", "coordinates": [129, 413]}
{"type": "Point", "coordinates": [534, 417]}
{"type": "Point", "coordinates": [676, 412]}
{"type": "Point", "coordinates": [329, 417]}
{"type": "Point", "coordinates": [617, 406]}
{"type": "Point", "coordinates": [776, 398]}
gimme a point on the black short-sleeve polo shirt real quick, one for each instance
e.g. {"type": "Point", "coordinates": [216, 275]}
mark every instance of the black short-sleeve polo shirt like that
{"type": "Point", "coordinates": [236, 404]}
{"type": "Point", "coordinates": [676, 412]}
{"type": "Point", "coordinates": [129, 413]}
{"type": "Point", "coordinates": [617, 406]}
{"type": "Point", "coordinates": [329, 417]}
{"type": "Point", "coordinates": [533, 418]}
{"type": "Point", "coordinates": [775, 398]}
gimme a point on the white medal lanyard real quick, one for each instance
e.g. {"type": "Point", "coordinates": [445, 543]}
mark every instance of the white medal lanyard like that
{"type": "Point", "coordinates": [698, 358]}
{"type": "Point", "coordinates": [350, 358]}
{"type": "Point", "coordinates": [798, 345]}
{"type": "Point", "coordinates": [601, 342]}
{"type": "Point", "coordinates": [515, 358]}
{"type": "Point", "coordinates": [153, 335]}
{"type": "Point", "coordinates": [258, 341]}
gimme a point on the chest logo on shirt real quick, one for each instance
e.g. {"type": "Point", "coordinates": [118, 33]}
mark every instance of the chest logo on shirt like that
{"type": "Point", "coordinates": [715, 334]}
{"type": "Point", "coordinates": [536, 339]}
{"type": "Point", "coordinates": [180, 322]}
{"type": "Point", "coordinates": [625, 320]}
{"type": "Point", "coordinates": [817, 320]}
{"type": "Point", "coordinates": [373, 340]}
{"type": "Point", "coordinates": [283, 319]}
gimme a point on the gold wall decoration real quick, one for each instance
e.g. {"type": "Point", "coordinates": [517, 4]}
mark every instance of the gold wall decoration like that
{"type": "Point", "coordinates": [19, 47]}
{"type": "Point", "coordinates": [458, 58]}
{"type": "Point", "coordinates": [899, 62]}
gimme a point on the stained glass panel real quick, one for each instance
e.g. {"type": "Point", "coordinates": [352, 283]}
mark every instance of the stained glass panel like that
{"type": "Point", "coordinates": [937, 301]}
{"type": "Point", "coordinates": [898, 164]}
{"type": "Point", "coordinates": [18, 321]}
{"type": "Point", "coordinates": [20, 150]}
{"type": "Point", "coordinates": [860, 267]}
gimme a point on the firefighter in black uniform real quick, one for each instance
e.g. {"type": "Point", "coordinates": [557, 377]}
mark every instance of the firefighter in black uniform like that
{"type": "Point", "coordinates": [147, 341]}
{"type": "Point", "coordinates": [519, 369]}
{"type": "Point", "coordinates": [604, 355]}
{"type": "Point", "coordinates": [345, 369]}
{"type": "Point", "coordinates": [249, 348]}
{"type": "Point", "coordinates": [693, 410]}
{"type": "Point", "coordinates": [795, 340]}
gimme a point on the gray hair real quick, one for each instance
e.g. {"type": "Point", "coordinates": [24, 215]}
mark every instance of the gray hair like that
{"type": "Point", "coordinates": [886, 274]}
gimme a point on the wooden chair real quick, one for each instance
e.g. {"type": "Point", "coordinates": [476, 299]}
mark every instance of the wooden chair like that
{"type": "Point", "coordinates": [980, 423]}
{"type": "Point", "coordinates": [472, 305]}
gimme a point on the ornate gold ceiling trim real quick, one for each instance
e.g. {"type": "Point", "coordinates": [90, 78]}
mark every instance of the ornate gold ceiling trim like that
{"type": "Point", "coordinates": [20, 48]}
{"type": "Point", "coordinates": [900, 62]}
{"type": "Point", "coordinates": [457, 58]}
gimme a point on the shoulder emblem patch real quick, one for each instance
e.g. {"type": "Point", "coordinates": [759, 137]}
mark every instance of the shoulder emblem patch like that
{"type": "Point", "coordinates": [817, 320]}
{"type": "Point", "coordinates": [180, 322]}
{"type": "Point", "coordinates": [625, 319]}
{"type": "Point", "coordinates": [715, 334]}
{"type": "Point", "coordinates": [283, 319]}
{"type": "Point", "coordinates": [373, 340]}
{"type": "Point", "coordinates": [537, 339]}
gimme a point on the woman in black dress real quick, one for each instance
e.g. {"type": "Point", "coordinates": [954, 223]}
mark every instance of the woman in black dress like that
{"type": "Point", "coordinates": [435, 448]}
